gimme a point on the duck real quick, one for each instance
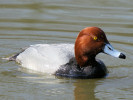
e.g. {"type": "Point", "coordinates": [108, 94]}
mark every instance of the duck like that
{"type": "Point", "coordinates": [70, 60]}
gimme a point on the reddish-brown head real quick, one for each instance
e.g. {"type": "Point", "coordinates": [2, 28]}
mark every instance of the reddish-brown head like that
{"type": "Point", "coordinates": [88, 44]}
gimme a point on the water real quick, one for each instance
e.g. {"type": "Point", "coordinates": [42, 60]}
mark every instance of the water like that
{"type": "Point", "coordinates": [26, 22]}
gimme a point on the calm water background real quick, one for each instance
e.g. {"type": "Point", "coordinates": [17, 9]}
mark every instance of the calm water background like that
{"type": "Point", "coordinates": [26, 22]}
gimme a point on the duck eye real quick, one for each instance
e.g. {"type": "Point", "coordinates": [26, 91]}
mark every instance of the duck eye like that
{"type": "Point", "coordinates": [95, 38]}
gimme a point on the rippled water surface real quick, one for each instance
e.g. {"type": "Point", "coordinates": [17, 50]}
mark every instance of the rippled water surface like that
{"type": "Point", "coordinates": [26, 22]}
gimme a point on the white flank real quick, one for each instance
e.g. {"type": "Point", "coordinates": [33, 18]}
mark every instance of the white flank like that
{"type": "Point", "coordinates": [46, 58]}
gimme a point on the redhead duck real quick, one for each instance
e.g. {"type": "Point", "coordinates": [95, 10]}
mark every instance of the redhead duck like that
{"type": "Point", "coordinates": [80, 62]}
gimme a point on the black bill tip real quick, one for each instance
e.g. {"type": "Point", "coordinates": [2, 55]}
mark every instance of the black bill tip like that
{"type": "Point", "coordinates": [122, 56]}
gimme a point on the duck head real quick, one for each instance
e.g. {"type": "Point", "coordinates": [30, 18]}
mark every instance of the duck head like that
{"type": "Point", "coordinates": [90, 42]}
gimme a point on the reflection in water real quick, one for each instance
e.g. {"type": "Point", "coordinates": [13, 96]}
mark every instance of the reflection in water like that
{"type": "Point", "coordinates": [26, 22]}
{"type": "Point", "coordinates": [84, 89]}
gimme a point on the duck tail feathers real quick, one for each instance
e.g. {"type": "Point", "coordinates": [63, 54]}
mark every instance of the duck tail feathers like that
{"type": "Point", "coordinates": [13, 57]}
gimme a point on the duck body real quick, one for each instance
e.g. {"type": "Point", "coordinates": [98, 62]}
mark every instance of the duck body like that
{"type": "Point", "coordinates": [45, 58]}
{"type": "Point", "coordinates": [68, 60]}
{"type": "Point", "coordinates": [73, 70]}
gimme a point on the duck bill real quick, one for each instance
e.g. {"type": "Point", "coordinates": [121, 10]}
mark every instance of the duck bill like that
{"type": "Point", "coordinates": [108, 49]}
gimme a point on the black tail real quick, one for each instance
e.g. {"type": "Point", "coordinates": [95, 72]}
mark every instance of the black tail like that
{"type": "Point", "coordinates": [13, 57]}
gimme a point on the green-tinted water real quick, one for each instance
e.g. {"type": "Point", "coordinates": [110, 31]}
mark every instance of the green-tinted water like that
{"type": "Point", "coordinates": [26, 22]}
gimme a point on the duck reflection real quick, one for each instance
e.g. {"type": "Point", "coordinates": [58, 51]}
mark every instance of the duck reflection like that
{"type": "Point", "coordinates": [85, 89]}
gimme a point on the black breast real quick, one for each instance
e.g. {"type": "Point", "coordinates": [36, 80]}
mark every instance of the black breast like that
{"type": "Point", "coordinates": [73, 70]}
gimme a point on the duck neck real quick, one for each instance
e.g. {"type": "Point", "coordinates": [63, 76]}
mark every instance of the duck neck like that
{"type": "Point", "coordinates": [91, 61]}
{"type": "Point", "coordinates": [88, 61]}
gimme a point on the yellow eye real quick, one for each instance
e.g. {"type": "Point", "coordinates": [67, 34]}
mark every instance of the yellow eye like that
{"type": "Point", "coordinates": [95, 38]}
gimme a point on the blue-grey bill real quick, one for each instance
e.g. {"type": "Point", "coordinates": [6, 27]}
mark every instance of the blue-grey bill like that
{"type": "Point", "coordinates": [108, 49]}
